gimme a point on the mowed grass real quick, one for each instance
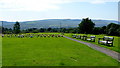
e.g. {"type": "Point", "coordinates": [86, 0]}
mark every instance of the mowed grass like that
{"type": "Point", "coordinates": [116, 41]}
{"type": "Point", "coordinates": [51, 52]}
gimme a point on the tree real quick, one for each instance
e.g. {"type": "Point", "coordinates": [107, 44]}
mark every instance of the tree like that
{"type": "Point", "coordinates": [103, 29]}
{"type": "Point", "coordinates": [16, 28]}
{"type": "Point", "coordinates": [99, 30]}
{"type": "Point", "coordinates": [42, 30]}
{"type": "Point", "coordinates": [96, 30]}
{"type": "Point", "coordinates": [86, 26]}
{"type": "Point", "coordinates": [49, 29]}
{"type": "Point", "coordinates": [63, 30]}
{"type": "Point", "coordinates": [118, 30]}
{"type": "Point", "coordinates": [112, 29]}
{"type": "Point", "coordinates": [35, 31]}
{"type": "Point", "coordinates": [0, 29]}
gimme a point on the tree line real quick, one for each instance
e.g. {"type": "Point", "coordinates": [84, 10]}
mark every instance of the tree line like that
{"type": "Point", "coordinates": [86, 26]}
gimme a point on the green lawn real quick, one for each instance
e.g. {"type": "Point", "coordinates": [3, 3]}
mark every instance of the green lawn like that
{"type": "Point", "coordinates": [51, 52]}
{"type": "Point", "coordinates": [115, 42]}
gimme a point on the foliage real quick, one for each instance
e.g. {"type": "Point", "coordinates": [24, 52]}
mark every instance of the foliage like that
{"type": "Point", "coordinates": [55, 23]}
{"type": "Point", "coordinates": [63, 30]}
{"type": "Point", "coordinates": [0, 29]}
{"type": "Point", "coordinates": [113, 29]}
{"type": "Point", "coordinates": [86, 26]}
{"type": "Point", "coordinates": [7, 30]}
{"type": "Point", "coordinates": [96, 30]}
{"type": "Point", "coordinates": [16, 28]}
{"type": "Point", "coordinates": [99, 30]}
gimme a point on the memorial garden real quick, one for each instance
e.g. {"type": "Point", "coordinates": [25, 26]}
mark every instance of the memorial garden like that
{"type": "Point", "coordinates": [60, 48]}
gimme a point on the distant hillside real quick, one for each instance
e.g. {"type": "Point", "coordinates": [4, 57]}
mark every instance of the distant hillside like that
{"type": "Point", "coordinates": [55, 23]}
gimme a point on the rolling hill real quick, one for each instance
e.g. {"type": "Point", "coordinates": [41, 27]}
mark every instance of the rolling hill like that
{"type": "Point", "coordinates": [55, 23]}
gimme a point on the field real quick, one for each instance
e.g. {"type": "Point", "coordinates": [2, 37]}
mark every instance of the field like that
{"type": "Point", "coordinates": [51, 52]}
{"type": "Point", "coordinates": [115, 42]}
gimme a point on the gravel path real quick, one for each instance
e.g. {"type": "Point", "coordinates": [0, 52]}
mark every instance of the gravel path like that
{"type": "Point", "coordinates": [109, 52]}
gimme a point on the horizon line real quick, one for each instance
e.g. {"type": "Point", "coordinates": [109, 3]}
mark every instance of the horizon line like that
{"type": "Point", "coordinates": [56, 18]}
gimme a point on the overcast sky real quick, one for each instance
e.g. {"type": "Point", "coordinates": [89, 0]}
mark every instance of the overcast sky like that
{"type": "Point", "coordinates": [26, 10]}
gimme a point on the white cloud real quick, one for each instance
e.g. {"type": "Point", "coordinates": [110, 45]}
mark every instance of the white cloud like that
{"type": "Point", "coordinates": [102, 1]}
{"type": "Point", "coordinates": [40, 5]}
{"type": "Point", "coordinates": [36, 5]}
{"type": "Point", "coordinates": [98, 2]}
